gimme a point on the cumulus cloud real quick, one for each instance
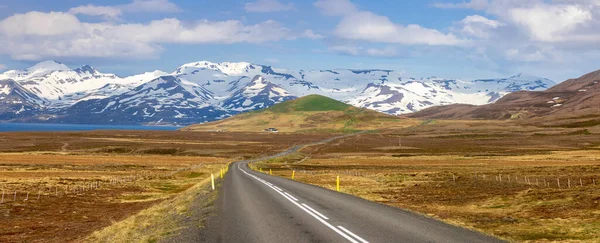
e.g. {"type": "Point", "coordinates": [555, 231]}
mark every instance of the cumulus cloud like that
{"type": "Point", "coordinates": [265, 6]}
{"type": "Point", "coordinates": [114, 12]}
{"type": "Point", "coordinates": [534, 31]}
{"type": "Point", "coordinates": [93, 10]}
{"type": "Point", "coordinates": [478, 26]}
{"type": "Point", "coordinates": [38, 35]}
{"type": "Point", "coordinates": [368, 26]}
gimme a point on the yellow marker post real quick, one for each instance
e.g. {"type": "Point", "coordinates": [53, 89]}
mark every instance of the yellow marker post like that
{"type": "Point", "coordinates": [212, 180]}
{"type": "Point", "coordinates": [260, 170]}
{"type": "Point", "coordinates": [293, 173]}
{"type": "Point", "coordinates": [270, 172]}
{"type": "Point", "coordinates": [337, 186]}
{"type": "Point", "coordinates": [221, 173]}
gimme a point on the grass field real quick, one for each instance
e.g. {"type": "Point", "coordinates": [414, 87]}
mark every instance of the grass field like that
{"type": "Point", "coordinates": [62, 187]}
{"type": "Point", "coordinates": [496, 177]}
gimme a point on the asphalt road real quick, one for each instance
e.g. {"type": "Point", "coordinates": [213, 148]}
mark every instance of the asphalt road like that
{"type": "Point", "coordinates": [256, 207]}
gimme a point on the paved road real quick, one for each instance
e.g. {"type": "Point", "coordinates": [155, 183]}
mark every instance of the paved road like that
{"type": "Point", "coordinates": [256, 207]}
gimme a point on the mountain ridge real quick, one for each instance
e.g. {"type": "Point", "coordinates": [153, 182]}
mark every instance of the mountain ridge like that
{"type": "Point", "coordinates": [218, 90]}
{"type": "Point", "coordinates": [569, 99]}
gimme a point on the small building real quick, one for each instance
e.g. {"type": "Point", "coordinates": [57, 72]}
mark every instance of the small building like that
{"type": "Point", "coordinates": [271, 130]}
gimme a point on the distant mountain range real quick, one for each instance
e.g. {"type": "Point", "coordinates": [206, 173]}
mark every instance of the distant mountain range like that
{"type": "Point", "coordinates": [204, 91]}
{"type": "Point", "coordinates": [573, 103]}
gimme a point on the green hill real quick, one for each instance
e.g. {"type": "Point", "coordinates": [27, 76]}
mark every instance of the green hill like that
{"type": "Point", "coordinates": [305, 114]}
{"type": "Point", "coordinates": [309, 103]}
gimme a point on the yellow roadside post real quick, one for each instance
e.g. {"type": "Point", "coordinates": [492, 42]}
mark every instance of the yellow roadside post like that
{"type": "Point", "coordinates": [293, 173]}
{"type": "Point", "coordinates": [260, 170]}
{"type": "Point", "coordinates": [270, 172]}
{"type": "Point", "coordinates": [221, 173]}
{"type": "Point", "coordinates": [337, 186]}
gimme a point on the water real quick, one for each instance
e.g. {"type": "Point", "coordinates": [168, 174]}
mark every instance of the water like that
{"type": "Point", "coordinates": [42, 127]}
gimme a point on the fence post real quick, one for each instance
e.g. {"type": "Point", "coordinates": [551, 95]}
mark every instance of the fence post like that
{"type": "Point", "coordinates": [580, 182]}
{"type": "Point", "coordinates": [558, 181]}
{"type": "Point", "coordinates": [569, 182]}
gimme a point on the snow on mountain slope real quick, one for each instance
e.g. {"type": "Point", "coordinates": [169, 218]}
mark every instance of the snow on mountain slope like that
{"type": "Point", "coordinates": [62, 87]}
{"type": "Point", "coordinates": [413, 95]}
{"type": "Point", "coordinates": [163, 100]}
{"type": "Point", "coordinates": [16, 101]}
{"type": "Point", "coordinates": [258, 94]}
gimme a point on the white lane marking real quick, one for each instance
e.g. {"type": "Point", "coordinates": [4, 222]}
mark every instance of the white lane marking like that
{"type": "Point", "coordinates": [295, 199]}
{"type": "Point", "coordinates": [277, 188]}
{"type": "Point", "coordinates": [315, 211]}
{"type": "Point", "coordinates": [352, 234]}
{"type": "Point", "coordinates": [305, 210]}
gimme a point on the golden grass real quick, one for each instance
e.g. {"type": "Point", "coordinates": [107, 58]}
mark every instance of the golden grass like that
{"type": "Point", "coordinates": [301, 121]}
{"type": "Point", "coordinates": [516, 211]}
{"type": "Point", "coordinates": [153, 223]}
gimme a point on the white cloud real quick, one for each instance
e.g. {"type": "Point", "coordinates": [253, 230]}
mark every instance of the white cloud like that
{"type": "Point", "coordinates": [478, 26]}
{"type": "Point", "coordinates": [265, 6]}
{"type": "Point", "coordinates": [367, 26]}
{"type": "Point", "coordinates": [360, 25]}
{"type": "Point", "coordinates": [551, 22]}
{"type": "Point", "coordinates": [37, 35]}
{"type": "Point", "coordinates": [93, 10]}
{"type": "Point", "coordinates": [336, 7]}
{"type": "Point", "coordinates": [513, 32]}
{"type": "Point", "coordinates": [114, 12]}
{"type": "Point", "coordinates": [312, 35]}
{"type": "Point", "coordinates": [473, 4]}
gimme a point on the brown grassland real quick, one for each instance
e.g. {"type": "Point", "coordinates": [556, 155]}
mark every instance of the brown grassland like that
{"type": "Point", "coordinates": [62, 187]}
{"type": "Point", "coordinates": [500, 178]}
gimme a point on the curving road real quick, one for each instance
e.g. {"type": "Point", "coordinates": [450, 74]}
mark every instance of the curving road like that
{"type": "Point", "coordinates": [256, 207]}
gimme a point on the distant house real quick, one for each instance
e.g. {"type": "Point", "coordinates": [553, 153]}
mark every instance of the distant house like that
{"type": "Point", "coordinates": [271, 130]}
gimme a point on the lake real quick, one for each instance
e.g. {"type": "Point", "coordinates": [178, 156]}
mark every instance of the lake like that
{"type": "Point", "coordinates": [41, 127]}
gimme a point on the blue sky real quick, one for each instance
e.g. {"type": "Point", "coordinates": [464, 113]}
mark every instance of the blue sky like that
{"type": "Point", "coordinates": [466, 39]}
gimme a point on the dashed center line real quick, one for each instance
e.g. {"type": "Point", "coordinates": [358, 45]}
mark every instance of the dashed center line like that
{"type": "Point", "coordinates": [292, 197]}
{"type": "Point", "coordinates": [315, 211]}
{"type": "Point", "coordinates": [349, 235]}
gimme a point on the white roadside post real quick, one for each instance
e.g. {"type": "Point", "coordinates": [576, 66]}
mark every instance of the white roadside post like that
{"type": "Point", "coordinates": [212, 180]}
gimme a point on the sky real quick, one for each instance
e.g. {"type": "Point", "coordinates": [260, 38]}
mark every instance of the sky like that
{"type": "Point", "coordinates": [465, 39]}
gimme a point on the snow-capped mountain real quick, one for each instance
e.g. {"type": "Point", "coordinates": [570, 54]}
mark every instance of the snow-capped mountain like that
{"type": "Point", "coordinates": [17, 102]}
{"type": "Point", "coordinates": [258, 94]}
{"type": "Point", "coordinates": [62, 87]}
{"type": "Point", "coordinates": [205, 91]}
